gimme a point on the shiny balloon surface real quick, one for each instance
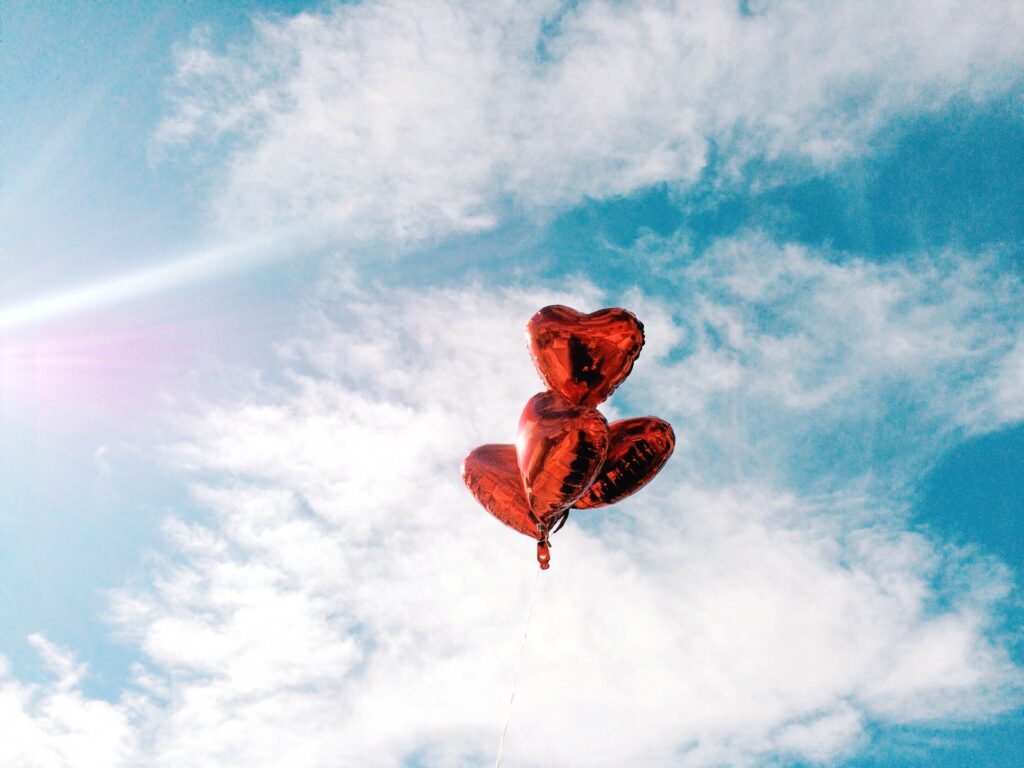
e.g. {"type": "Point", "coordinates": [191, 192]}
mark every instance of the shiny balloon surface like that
{"type": "Point", "coordinates": [566, 455]}
{"type": "Point", "coordinates": [584, 356]}
{"type": "Point", "coordinates": [560, 448]}
{"type": "Point", "coordinates": [492, 476]}
{"type": "Point", "coordinates": [637, 450]}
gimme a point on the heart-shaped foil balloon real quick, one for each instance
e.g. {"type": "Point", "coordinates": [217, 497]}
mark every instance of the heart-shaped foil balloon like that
{"type": "Point", "coordinates": [492, 476]}
{"type": "Point", "coordinates": [637, 450]}
{"type": "Point", "coordinates": [585, 357]}
{"type": "Point", "coordinates": [560, 448]}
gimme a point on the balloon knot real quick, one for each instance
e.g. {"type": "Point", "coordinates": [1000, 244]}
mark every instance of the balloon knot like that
{"type": "Point", "coordinates": [543, 554]}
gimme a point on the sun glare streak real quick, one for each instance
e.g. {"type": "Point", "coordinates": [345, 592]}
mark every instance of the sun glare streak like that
{"type": "Point", "coordinates": [200, 265]}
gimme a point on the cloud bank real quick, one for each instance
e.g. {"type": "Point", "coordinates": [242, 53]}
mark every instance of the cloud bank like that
{"type": "Point", "coordinates": [346, 603]}
{"type": "Point", "coordinates": [403, 121]}
{"type": "Point", "coordinates": [876, 366]}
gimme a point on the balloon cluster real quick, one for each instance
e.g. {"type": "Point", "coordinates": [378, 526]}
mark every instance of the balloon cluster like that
{"type": "Point", "coordinates": [566, 455]}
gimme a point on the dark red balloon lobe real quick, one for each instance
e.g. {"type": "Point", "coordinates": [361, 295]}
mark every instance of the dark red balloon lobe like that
{"type": "Point", "coordinates": [560, 447]}
{"type": "Point", "coordinates": [637, 450]}
{"type": "Point", "coordinates": [584, 357]}
{"type": "Point", "coordinates": [492, 476]}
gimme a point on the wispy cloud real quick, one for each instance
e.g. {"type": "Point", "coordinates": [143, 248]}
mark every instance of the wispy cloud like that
{"type": "Point", "coordinates": [347, 602]}
{"type": "Point", "coordinates": [54, 724]}
{"type": "Point", "coordinates": [405, 121]}
{"type": "Point", "coordinates": [876, 366]}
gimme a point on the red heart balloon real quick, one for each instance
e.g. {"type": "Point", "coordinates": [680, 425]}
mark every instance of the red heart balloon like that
{"type": "Point", "coordinates": [585, 357]}
{"type": "Point", "coordinates": [492, 476]}
{"type": "Point", "coordinates": [560, 447]}
{"type": "Point", "coordinates": [637, 450]}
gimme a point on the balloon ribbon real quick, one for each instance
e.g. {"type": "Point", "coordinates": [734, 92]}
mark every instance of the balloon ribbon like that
{"type": "Point", "coordinates": [515, 676]}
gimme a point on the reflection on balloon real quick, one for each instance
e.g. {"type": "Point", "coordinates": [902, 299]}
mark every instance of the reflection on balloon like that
{"type": "Point", "coordinates": [584, 357]}
{"type": "Point", "coordinates": [566, 455]}
{"type": "Point", "coordinates": [492, 476]}
{"type": "Point", "coordinates": [560, 448]}
{"type": "Point", "coordinates": [637, 450]}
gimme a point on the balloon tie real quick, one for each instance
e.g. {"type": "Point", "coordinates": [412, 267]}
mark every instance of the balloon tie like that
{"type": "Point", "coordinates": [543, 547]}
{"type": "Point", "coordinates": [515, 675]}
{"type": "Point", "coordinates": [544, 554]}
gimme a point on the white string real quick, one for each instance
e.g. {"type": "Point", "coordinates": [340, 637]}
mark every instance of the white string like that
{"type": "Point", "coordinates": [515, 676]}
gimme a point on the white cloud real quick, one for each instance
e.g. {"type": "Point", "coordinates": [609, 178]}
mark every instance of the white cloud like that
{"type": "Point", "coordinates": [53, 725]}
{"type": "Point", "coordinates": [403, 120]}
{"type": "Point", "coordinates": [1008, 388]}
{"type": "Point", "coordinates": [853, 368]}
{"type": "Point", "coordinates": [347, 603]}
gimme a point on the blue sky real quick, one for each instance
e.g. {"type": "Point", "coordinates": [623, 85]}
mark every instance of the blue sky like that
{"type": "Point", "coordinates": [266, 270]}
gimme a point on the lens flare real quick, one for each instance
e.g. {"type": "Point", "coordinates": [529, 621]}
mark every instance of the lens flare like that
{"type": "Point", "coordinates": [200, 265]}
